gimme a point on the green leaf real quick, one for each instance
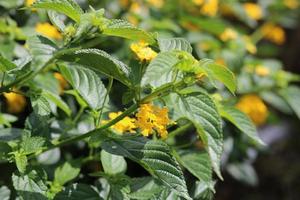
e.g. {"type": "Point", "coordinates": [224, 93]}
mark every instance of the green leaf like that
{"type": "Point", "coordinates": [21, 162]}
{"type": "Point", "coordinates": [124, 29]}
{"type": "Point", "coordinates": [159, 71]}
{"type": "Point", "coordinates": [170, 44]}
{"type": "Point", "coordinates": [5, 149]}
{"type": "Point", "coordinates": [66, 7]}
{"type": "Point", "coordinates": [87, 83]}
{"type": "Point", "coordinates": [202, 191]}
{"type": "Point", "coordinates": [242, 122]}
{"type": "Point", "coordinates": [79, 191]}
{"type": "Point", "coordinates": [199, 108]}
{"type": "Point", "coordinates": [66, 173]}
{"type": "Point", "coordinates": [31, 144]}
{"type": "Point", "coordinates": [154, 156]}
{"type": "Point", "coordinates": [9, 134]}
{"type": "Point", "coordinates": [4, 193]}
{"type": "Point", "coordinates": [30, 186]}
{"type": "Point", "coordinates": [6, 65]}
{"type": "Point", "coordinates": [102, 62]}
{"type": "Point", "coordinates": [144, 188]}
{"type": "Point", "coordinates": [218, 72]}
{"type": "Point", "coordinates": [292, 96]}
{"type": "Point", "coordinates": [113, 164]}
{"type": "Point", "coordinates": [57, 100]}
{"type": "Point", "coordinates": [243, 172]}
{"type": "Point", "coordinates": [276, 101]}
{"type": "Point", "coordinates": [40, 105]}
{"type": "Point", "coordinates": [198, 164]}
{"type": "Point", "coordinates": [57, 20]}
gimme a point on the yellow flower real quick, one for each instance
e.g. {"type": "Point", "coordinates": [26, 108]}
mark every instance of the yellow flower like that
{"type": "Point", "coordinates": [200, 76]}
{"type": "Point", "coordinates": [124, 3]}
{"type": "Point", "coordinates": [136, 8]}
{"type": "Point", "coordinates": [142, 51]}
{"type": "Point", "coordinates": [127, 124]}
{"type": "Point", "coordinates": [254, 107]}
{"type": "Point", "coordinates": [63, 84]}
{"type": "Point", "coordinates": [210, 8]}
{"type": "Point", "coordinates": [16, 103]}
{"type": "Point", "coordinates": [29, 2]}
{"type": "Point", "coordinates": [156, 3]}
{"type": "Point", "coordinates": [48, 30]}
{"type": "Point", "coordinates": [198, 2]}
{"type": "Point", "coordinates": [292, 4]}
{"type": "Point", "coordinates": [250, 47]}
{"type": "Point", "coordinates": [253, 11]}
{"type": "Point", "coordinates": [150, 118]}
{"type": "Point", "coordinates": [228, 34]}
{"type": "Point", "coordinates": [273, 33]}
{"type": "Point", "coordinates": [262, 70]}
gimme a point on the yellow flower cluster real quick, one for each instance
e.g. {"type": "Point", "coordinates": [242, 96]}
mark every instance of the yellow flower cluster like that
{"type": "Point", "coordinates": [228, 34]}
{"type": "Point", "coordinates": [63, 84]}
{"type": "Point", "coordinates": [262, 70]}
{"type": "Point", "coordinates": [273, 33]}
{"type": "Point", "coordinates": [254, 107]}
{"type": "Point", "coordinates": [208, 7]}
{"type": "Point", "coordinates": [16, 103]}
{"type": "Point", "coordinates": [127, 124]}
{"type": "Point", "coordinates": [29, 2]}
{"type": "Point", "coordinates": [142, 51]}
{"type": "Point", "coordinates": [150, 118]}
{"type": "Point", "coordinates": [253, 11]}
{"type": "Point", "coordinates": [156, 3]}
{"type": "Point", "coordinates": [292, 4]}
{"type": "Point", "coordinates": [48, 30]}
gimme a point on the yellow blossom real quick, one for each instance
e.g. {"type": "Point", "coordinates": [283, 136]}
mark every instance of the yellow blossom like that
{"type": "Point", "coordinates": [29, 2]}
{"type": "Point", "coordinates": [292, 4]}
{"type": "Point", "coordinates": [200, 76]}
{"type": "Point", "coordinates": [262, 70]}
{"type": "Point", "coordinates": [254, 107]}
{"type": "Point", "coordinates": [124, 3]}
{"type": "Point", "coordinates": [150, 118]}
{"type": "Point", "coordinates": [142, 51]}
{"type": "Point", "coordinates": [250, 47]}
{"type": "Point", "coordinates": [210, 8]}
{"type": "Point", "coordinates": [63, 84]}
{"type": "Point", "coordinates": [136, 8]}
{"type": "Point", "coordinates": [127, 124]}
{"type": "Point", "coordinates": [228, 34]}
{"type": "Point", "coordinates": [48, 30]}
{"type": "Point", "coordinates": [273, 33]}
{"type": "Point", "coordinates": [253, 11]}
{"type": "Point", "coordinates": [16, 103]}
{"type": "Point", "coordinates": [156, 3]}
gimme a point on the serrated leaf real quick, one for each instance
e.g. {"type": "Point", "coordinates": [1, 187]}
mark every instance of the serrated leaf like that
{"type": "Point", "coordinates": [40, 105]}
{"type": "Point", "coordinates": [87, 83]}
{"type": "Point", "coordinates": [242, 122]}
{"type": "Point", "coordinates": [144, 188]}
{"type": "Point", "coordinates": [78, 191]}
{"type": "Point", "coordinates": [66, 7]}
{"type": "Point", "coordinates": [200, 109]}
{"type": "Point", "coordinates": [154, 156]}
{"type": "Point", "coordinates": [4, 193]}
{"type": "Point", "coordinates": [66, 173]}
{"type": "Point", "coordinates": [113, 164]}
{"type": "Point", "coordinates": [6, 65]}
{"type": "Point", "coordinates": [220, 73]}
{"type": "Point", "coordinates": [37, 125]}
{"type": "Point", "coordinates": [124, 29]}
{"type": "Point", "coordinates": [102, 62]}
{"type": "Point", "coordinates": [31, 144]}
{"type": "Point", "coordinates": [198, 164]}
{"type": "Point", "coordinates": [21, 162]}
{"type": "Point", "coordinates": [57, 20]}
{"type": "Point", "coordinates": [57, 100]}
{"type": "Point", "coordinates": [292, 96]}
{"type": "Point", "coordinates": [170, 44]}
{"type": "Point", "coordinates": [159, 71]}
{"type": "Point", "coordinates": [202, 191]}
{"type": "Point", "coordinates": [30, 186]}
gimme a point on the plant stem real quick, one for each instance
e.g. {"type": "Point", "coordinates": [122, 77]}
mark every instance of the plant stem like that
{"type": "Point", "coordinates": [180, 130]}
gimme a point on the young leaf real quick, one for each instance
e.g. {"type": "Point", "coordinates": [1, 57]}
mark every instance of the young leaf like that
{"type": "Point", "coordinates": [292, 96]}
{"type": "Point", "coordinates": [79, 191]}
{"type": "Point", "coordinates": [6, 65]}
{"type": "Point", "coordinates": [113, 164]}
{"type": "Point", "coordinates": [66, 7]}
{"type": "Point", "coordinates": [86, 82]}
{"type": "Point", "coordinates": [200, 109]}
{"type": "Point", "coordinates": [31, 144]}
{"type": "Point", "coordinates": [66, 173]}
{"type": "Point", "coordinates": [220, 73]}
{"type": "Point", "coordinates": [242, 122]}
{"type": "Point", "coordinates": [102, 62]}
{"type": "Point", "coordinates": [170, 44]}
{"type": "Point", "coordinates": [154, 156]}
{"type": "Point", "coordinates": [21, 162]}
{"type": "Point", "coordinates": [124, 29]}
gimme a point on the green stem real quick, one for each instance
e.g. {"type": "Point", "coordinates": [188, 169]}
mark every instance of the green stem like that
{"type": "Point", "coordinates": [180, 130]}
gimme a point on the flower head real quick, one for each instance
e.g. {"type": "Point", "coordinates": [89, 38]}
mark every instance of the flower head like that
{"type": "Point", "coordinates": [274, 33]}
{"type": "Point", "coordinates": [262, 70]}
{"type": "Point", "coordinates": [142, 51]}
{"type": "Point", "coordinates": [253, 11]}
{"type": "Point", "coordinates": [210, 8]}
{"type": "Point", "coordinates": [254, 107]}
{"type": "Point", "coordinates": [48, 30]}
{"type": "Point", "coordinates": [29, 2]}
{"type": "Point", "coordinates": [228, 34]}
{"type": "Point", "coordinates": [156, 3]}
{"type": "Point", "coordinates": [127, 124]}
{"type": "Point", "coordinates": [63, 84]}
{"type": "Point", "coordinates": [152, 118]}
{"type": "Point", "coordinates": [16, 103]}
{"type": "Point", "coordinates": [291, 4]}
